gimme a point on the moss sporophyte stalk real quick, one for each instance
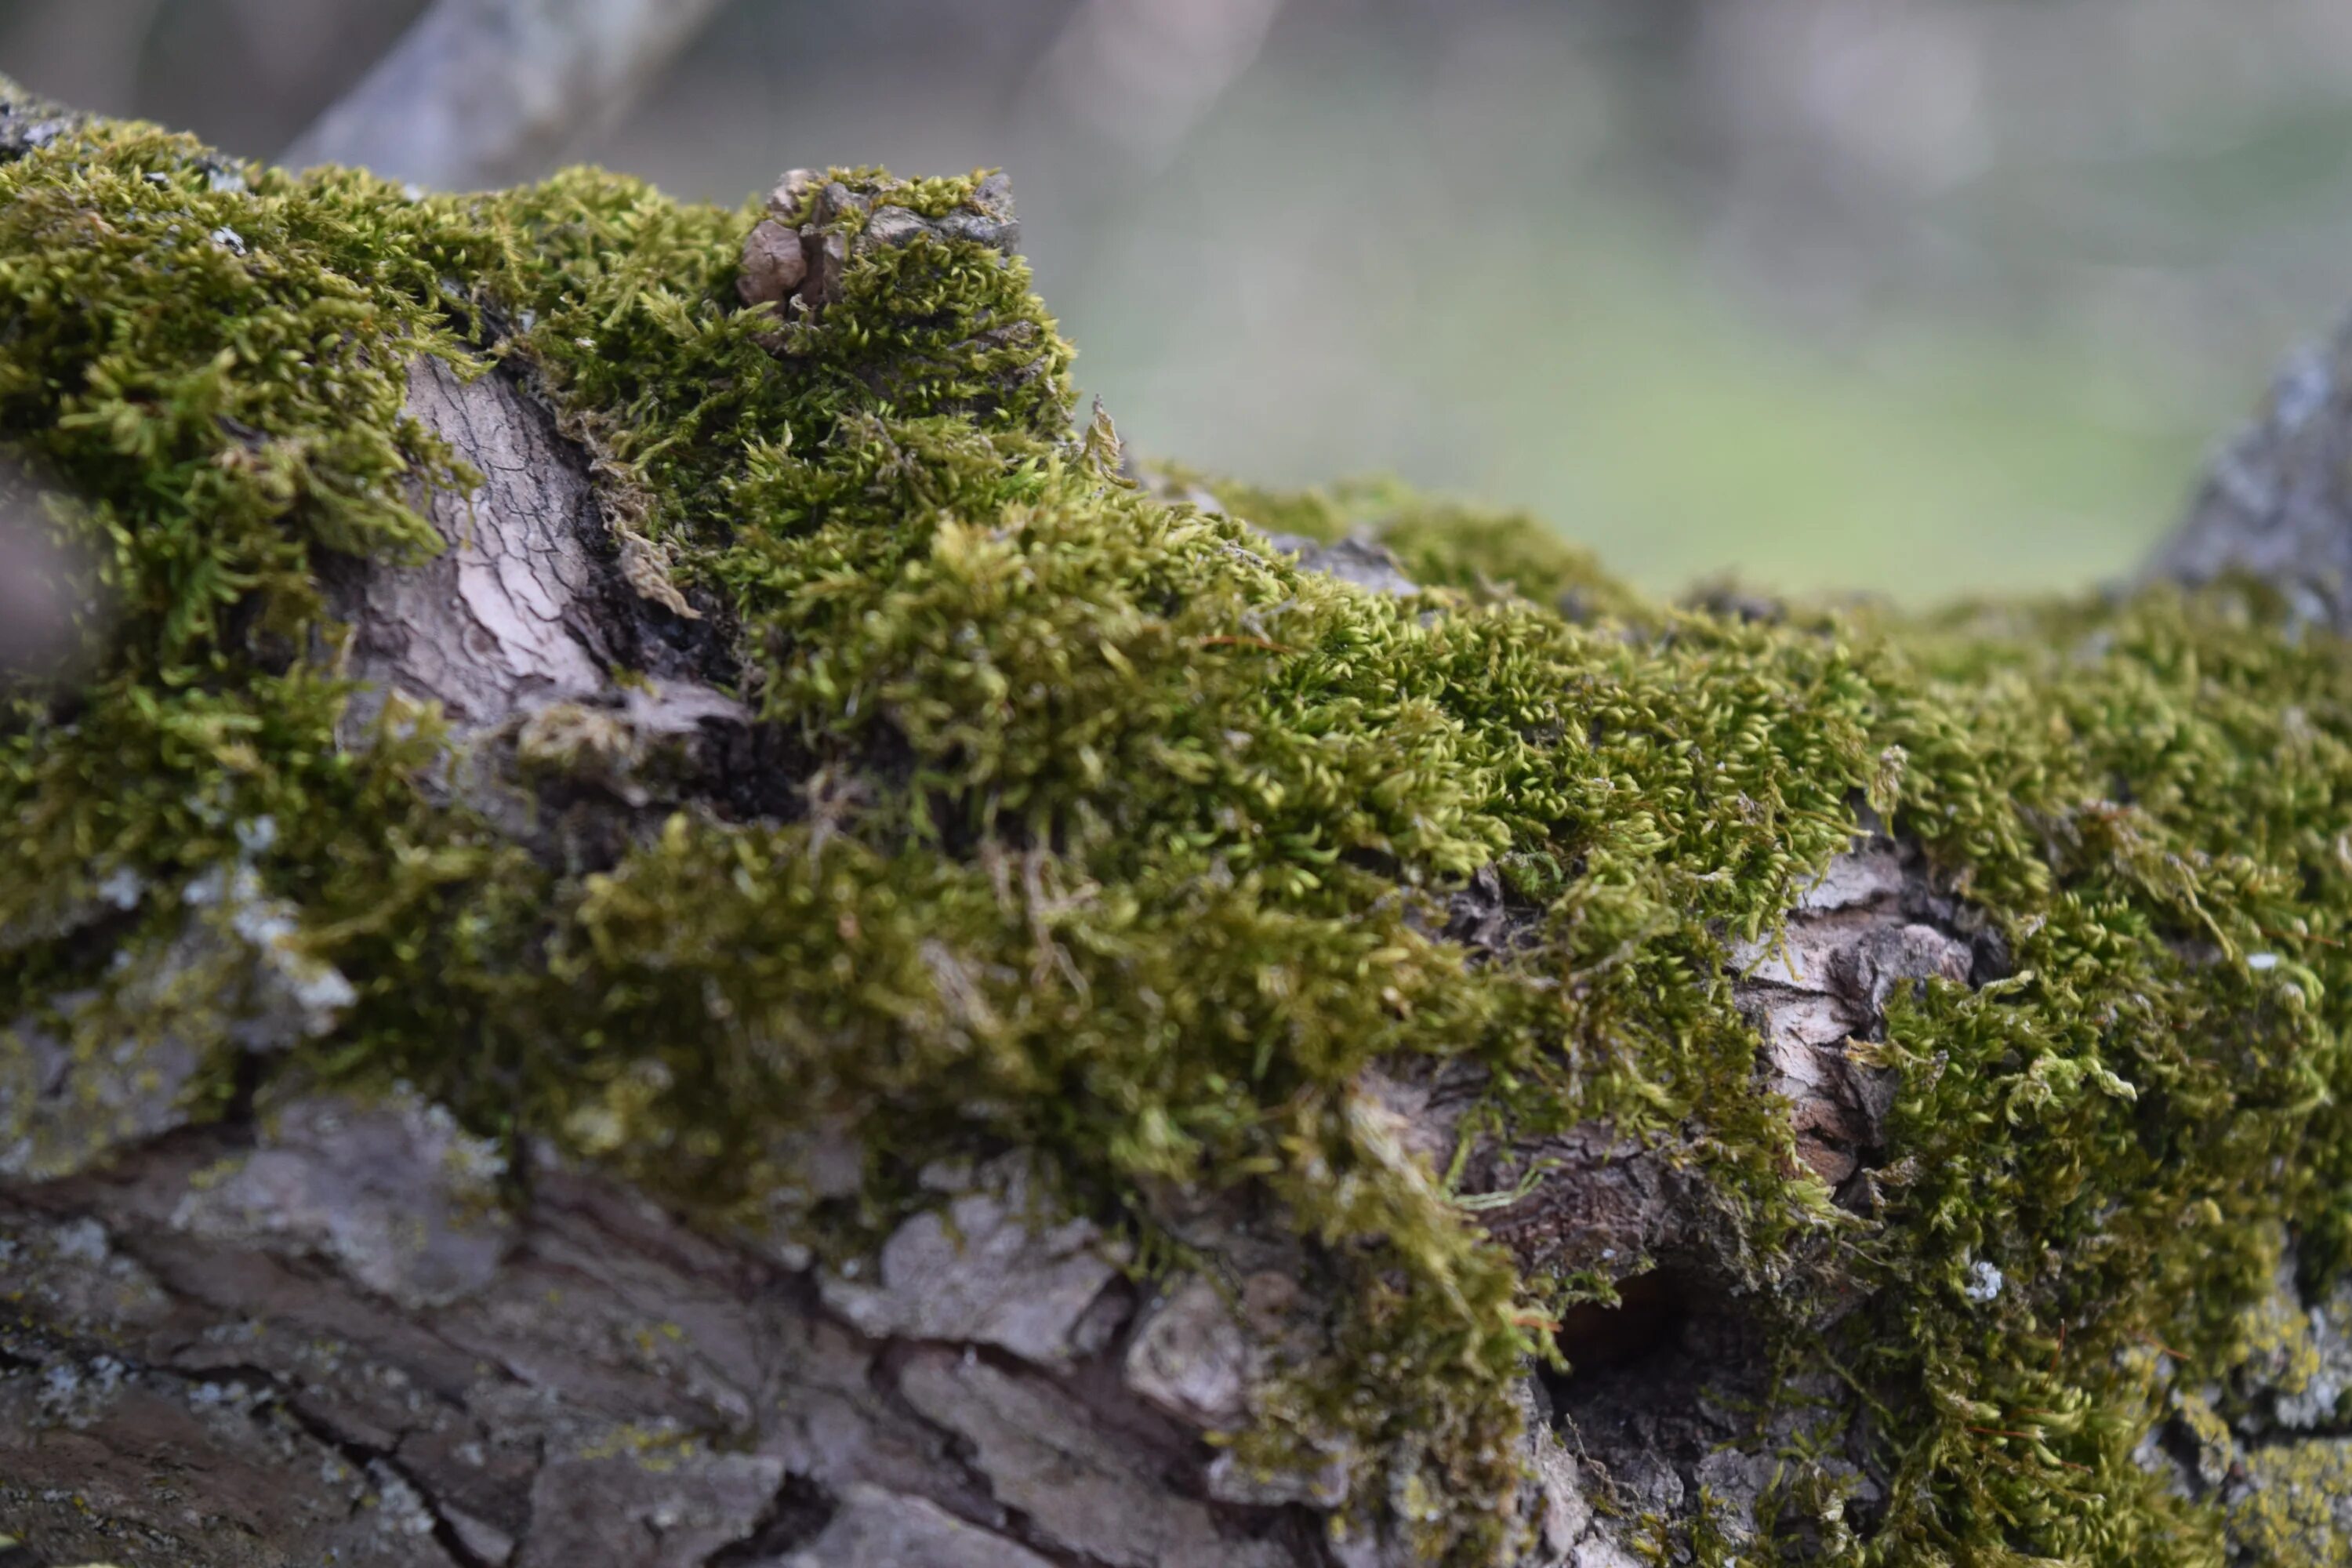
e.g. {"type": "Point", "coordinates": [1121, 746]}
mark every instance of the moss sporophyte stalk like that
{"type": "Point", "coordinates": [1115, 835]}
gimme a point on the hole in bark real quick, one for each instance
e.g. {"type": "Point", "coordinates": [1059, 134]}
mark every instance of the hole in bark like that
{"type": "Point", "coordinates": [1654, 1382]}
{"type": "Point", "coordinates": [798, 1513]}
{"type": "Point", "coordinates": [1644, 1324]}
{"type": "Point", "coordinates": [245, 1084]}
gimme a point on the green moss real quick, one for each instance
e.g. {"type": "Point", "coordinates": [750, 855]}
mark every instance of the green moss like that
{"type": "Point", "coordinates": [1486, 555]}
{"type": "Point", "coordinates": [1126, 840]}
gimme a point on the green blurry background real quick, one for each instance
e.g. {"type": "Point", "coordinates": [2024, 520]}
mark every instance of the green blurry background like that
{"type": "Point", "coordinates": [1912, 296]}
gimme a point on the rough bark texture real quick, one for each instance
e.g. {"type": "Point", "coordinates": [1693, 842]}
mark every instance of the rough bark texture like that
{"type": "Point", "coordinates": [518, 623]}
{"type": "Point", "coordinates": [338, 1351]}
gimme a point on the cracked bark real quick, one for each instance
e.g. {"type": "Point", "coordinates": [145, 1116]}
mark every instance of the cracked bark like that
{"type": "Point", "coordinates": [328, 1332]}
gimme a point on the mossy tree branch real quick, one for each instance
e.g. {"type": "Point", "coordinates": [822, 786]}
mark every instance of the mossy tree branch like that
{"type": "Point", "coordinates": [666, 923]}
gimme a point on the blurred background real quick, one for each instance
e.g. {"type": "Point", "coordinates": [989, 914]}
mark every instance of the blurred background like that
{"type": "Point", "coordinates": [1912, 296]}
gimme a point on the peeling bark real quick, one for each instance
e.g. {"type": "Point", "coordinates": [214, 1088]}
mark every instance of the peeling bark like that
{"type": "Point", "coordinates": [531, 604]}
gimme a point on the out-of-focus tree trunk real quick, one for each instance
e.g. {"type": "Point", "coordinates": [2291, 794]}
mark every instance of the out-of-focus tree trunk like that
{"type": "Point", "coordinates": [483, 93]}
{"type": "Point", "coordinates": [2276, 504]}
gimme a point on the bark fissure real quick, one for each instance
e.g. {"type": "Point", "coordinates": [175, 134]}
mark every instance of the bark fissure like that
{"type": "Point", "coordinates": [722, 1435]}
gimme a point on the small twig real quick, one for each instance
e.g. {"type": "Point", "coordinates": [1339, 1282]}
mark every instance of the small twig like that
{"type": "Point", "coordinates": [2029, 1438]}
{"type": "Point", "coordinates": [1233, 641]}
{"type": "Point", "coordinates": [2302, 936]}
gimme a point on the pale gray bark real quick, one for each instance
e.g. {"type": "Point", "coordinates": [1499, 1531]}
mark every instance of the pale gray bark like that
{"type": "Point", "coordinates": [37, 597]}
{"type": "Point", "coordinates": [535, 600]}
{"type": "Point", "coordinates": [484, 93]}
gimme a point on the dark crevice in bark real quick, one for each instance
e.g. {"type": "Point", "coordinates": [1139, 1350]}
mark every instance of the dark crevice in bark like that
{"type": "Point", "coordinates": [796, 1515]}
{"type": "Point", "coordinates": [1618, 1341]}
{"type": "Point", "coordinates": [1493, 918]}
{"type": "Point", "coordinates": [246, 1074]}
{"type": "Point", "coordinates": [1660, 1383]}
{"type": "Point", "coordinates": [891, 1360]}
{"type": "Point", "coordinates": [2252, 1439]}
{"type": "Point", "coordinates": [364, 1458]}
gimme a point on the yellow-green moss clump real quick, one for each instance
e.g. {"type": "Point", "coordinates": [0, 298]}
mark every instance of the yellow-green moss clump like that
{"type": "Point", "coordinates": [1119, 835]}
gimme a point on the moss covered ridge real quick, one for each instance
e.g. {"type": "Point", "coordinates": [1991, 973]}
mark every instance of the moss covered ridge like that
{"type": "Point", "coordinates": [1118, 835]}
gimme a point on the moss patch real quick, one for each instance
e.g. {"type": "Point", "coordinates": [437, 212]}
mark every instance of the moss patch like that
{"type": "Point", "coordinates": [1126, 840]}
